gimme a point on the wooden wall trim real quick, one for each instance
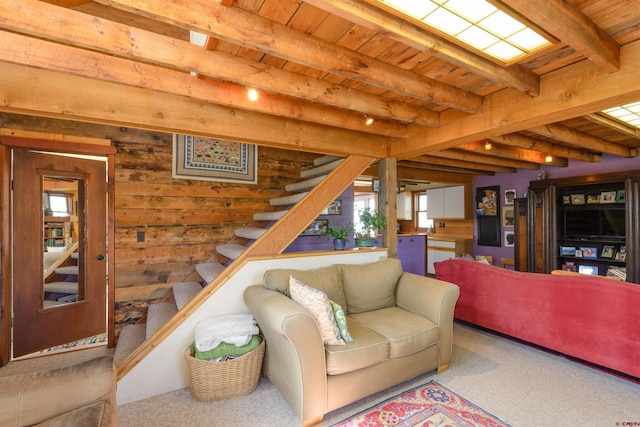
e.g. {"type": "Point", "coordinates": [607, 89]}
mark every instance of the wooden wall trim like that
{"type": "Point", "coordinates": [5, 256]}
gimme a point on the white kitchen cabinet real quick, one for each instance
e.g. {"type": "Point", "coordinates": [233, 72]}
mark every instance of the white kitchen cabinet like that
{"type": "Point", "coordinates": [439, 250]}
{"type": "Point", "coordinates": [404, 203]}
{"type": "Point", "coordinates": [446, 203]}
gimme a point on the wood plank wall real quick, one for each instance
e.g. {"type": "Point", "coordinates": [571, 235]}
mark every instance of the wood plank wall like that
{"type": "Point", "coordinates": [182, 220]}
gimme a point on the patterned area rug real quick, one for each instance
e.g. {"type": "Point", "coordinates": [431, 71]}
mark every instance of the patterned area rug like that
{"type": "Point", "coordinates": [429, 405]}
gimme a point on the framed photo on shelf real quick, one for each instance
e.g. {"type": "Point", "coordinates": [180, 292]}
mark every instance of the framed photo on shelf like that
{"type": "Point", "coordinates": [577, 199]}
{"type": "Point", "coordinates": [569, 266]}
{"type": "Point", "coordinates": [608, 197]}
{"type": "Point", "coordinates": [567, 251]}
{"type": "Point", "coordinates": [316, 227]}
{"type": "Point", "coordinates": [588, 269]}
{"type": "Point", "coordinates": [593, 198]}
{"type": "Point", "coordinates": [578, 253]}
{"type": "Point", "coordinates": [335, 208]}
{"type": "Point", "coordinates": [566, 200]}
{"type": "Point", "coordinates": [608, 252]}
{"type": "Point", "coordinates": [589, 252]}
{"type": "Point", "coordinates": [620, 196]}
{"type": "Point", "coordinates": [621, 256]}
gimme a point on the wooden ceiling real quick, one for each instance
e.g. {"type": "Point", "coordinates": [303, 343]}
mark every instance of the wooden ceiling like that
{"type": "Point", "coordinates": [319, 67]}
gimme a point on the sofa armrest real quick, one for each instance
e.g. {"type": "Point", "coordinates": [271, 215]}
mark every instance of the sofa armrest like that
{"type": "Point", "coordinates": [434, 299]}
{"type": "Point", "coordinates": [294, 358]}
{"type": "Point", "coordinates": [36, 397]}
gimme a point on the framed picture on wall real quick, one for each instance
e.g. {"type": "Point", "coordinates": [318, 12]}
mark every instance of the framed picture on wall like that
{"type": "Point", "coordinates": [487, 216]}
{"type": "Point", "coordinates": [509, 196]}
{"type": "Point", "coordinates": [335, 208]}
{"type": "Point", "coordinates": [316, 227]}
{"type": "Point", "coordinates": [509, 239]}
{"type": "Point", "coordinates": [507, 216]}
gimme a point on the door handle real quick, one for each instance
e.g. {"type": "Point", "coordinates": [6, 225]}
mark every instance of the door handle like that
{"type": "Point", "coordinates": [100, 257]}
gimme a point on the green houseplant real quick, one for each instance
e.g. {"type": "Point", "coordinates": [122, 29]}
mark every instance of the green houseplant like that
{"type": "Point", "coordinates": [370, 222]}
{"type": "Point", "coordinates": [339, 233]}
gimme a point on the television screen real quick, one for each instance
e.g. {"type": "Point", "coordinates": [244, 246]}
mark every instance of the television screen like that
{"type": "Point", "coordinates": [596, 222]}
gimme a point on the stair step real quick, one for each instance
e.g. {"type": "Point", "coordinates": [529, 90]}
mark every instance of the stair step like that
{"type": "Point", "coordinates": [326, 159]}
{"type": "Point", "coordinates": [287, 200]}
{"type": "Point", "coordinates": [320, 170]}
{"type": "Point", "coordinates": [130, 338]}
{"type": "Point", "coordinates": [209, 270]}
{"type": "Point", "coordinates": [69, 269]}
{"type": "Point", "coordinates": [269, 216]}
{"type": "Point", "coordinates": [74, 255]}
{"type": "Point", "coordinates": [62, 287]}
{"type": "Point", "coordinates": [184, 292]}
{"type": "Point", "coordinates": [250, 233]}
{"type": "Point", "coordinates": [230, 250]}
{"type": "Point", "coordinates": [305, 185]}
{"type": "Point", "coordinates": [159, 314]}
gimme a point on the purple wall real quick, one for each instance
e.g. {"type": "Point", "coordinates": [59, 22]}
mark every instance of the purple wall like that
{"type": "Point", "coordinates": [315, 243]}
{"type": "Point", "coordinates": [520, 182]}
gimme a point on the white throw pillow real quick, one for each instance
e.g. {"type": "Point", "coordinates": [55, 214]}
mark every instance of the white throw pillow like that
{"type": "Point", "coordinates": [317, 303]}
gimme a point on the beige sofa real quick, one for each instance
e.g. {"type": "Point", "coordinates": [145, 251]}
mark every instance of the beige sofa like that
{"type": "Point", "coordinates": [78, 395]}
{"type": "Point", "coordinates": [401, 324]}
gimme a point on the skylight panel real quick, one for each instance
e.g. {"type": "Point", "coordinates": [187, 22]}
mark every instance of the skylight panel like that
{"type": "Point", "coordinates": [478, 38]}
{"type": "Point", "coordinates": [475, 23]}
{"type": "Point", "coordinates": [628, 113]}
{"type": "Point", "coordinates": [446, 21]}
{"type": "Point", "coordinates": [417, 9]}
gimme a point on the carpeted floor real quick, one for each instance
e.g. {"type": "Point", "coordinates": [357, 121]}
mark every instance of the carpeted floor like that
{"type": "Point", "coordinates": [522, 386]}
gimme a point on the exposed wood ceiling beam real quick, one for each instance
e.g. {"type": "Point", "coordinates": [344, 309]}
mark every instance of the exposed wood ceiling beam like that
{"type": "Point", "coordinates": [244, 28]}
{"type": "Point", "coordinates": [67, 3]}
{"type": "Point", "coordinates": [582, 139]}
{"type": "Point", "coordinates": [78, 29]}
{"type": "Point", "coordinates": [523, 141]}
{"type": "Point", "coordinates": [467, 156]}
{"type": "Point", "coordinates": [432, 161]}
{"type": "Point", "coordinates": [613, 124]}
{"type": "Point", "coordinates": [31, 91]}
{"type": "Point", "coordinates": [436, 175]}
{"type": "Point", "coordinates": [374, 18]}
{"type": "Point", "coordinates": [514, 153]}
{"type": "Point", "coordinates": [564, 94]}
{"type": "Point", "coordinates": [566, 22]}
{"type": "Point", "coordinates": [19, 49]}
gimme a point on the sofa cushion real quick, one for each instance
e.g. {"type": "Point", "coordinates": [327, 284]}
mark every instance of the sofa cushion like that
{"type": "Point", "coordinates": [367, 349]}
{"type": "Point", "coordinates": [341, 320]}
{"type": "Point", "coordinates": [317, 303]}
{"type": "Point", "coordinates": [326, 279]}
{"type": "Point", "coordinates": [406, 332]}
{"type": "Point", "coordinates": [371, 286]}
{"type": "Point", "coordinates": [90, 415]}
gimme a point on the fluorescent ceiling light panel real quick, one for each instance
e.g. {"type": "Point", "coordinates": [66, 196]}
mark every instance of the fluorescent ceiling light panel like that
{"type": "Point", "coordinates": [474, 23]}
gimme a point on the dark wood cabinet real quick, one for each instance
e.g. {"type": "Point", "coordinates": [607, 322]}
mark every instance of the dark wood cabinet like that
{"type": "Point", "coordinates": [572, 221]}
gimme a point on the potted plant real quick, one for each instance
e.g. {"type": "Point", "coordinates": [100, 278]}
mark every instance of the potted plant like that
{"type": "Point", "coordinates": [339, 233]}
{"type": "Point", "coordinates": [371, 221]}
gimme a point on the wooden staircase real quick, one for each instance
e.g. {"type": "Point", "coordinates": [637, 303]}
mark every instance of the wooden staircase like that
{"type": "Point", "coordinates": [132, 336]}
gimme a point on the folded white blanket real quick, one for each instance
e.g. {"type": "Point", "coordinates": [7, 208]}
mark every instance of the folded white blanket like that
{"type": "Point", "coordinates": [234, 329]}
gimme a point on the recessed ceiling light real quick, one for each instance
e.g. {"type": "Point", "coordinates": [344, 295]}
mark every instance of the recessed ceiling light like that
{"type": "Point", "coordinates": [368, 120]}
{"type": "Point", "coordinates": [252, 94]}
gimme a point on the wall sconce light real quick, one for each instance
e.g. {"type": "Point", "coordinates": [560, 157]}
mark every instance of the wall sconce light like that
{"type": "Point", "coordinates": [488, 146]}
{"type": "Point", "coordinates": [368, 120]}
{"type": "Point", "coordinates": [549, 158]}
{"type": "Point", "coordinates": [252, 94]}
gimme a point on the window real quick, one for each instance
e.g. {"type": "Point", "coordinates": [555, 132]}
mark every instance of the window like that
{"type": "Point", "coordinates": [423, 218]}
{"type": "Point", "coordinates": [361, 201]}
{"type": "Point", "coordinates": [60, 204]}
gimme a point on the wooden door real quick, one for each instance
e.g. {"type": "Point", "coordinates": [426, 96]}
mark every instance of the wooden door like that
{"type": "Point", "coordinates": [39, 324]}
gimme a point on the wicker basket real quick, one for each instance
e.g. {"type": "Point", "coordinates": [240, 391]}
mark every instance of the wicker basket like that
{"type": "Point", "coordinates": [210, 381]}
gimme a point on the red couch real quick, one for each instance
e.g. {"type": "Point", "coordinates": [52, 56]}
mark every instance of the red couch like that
{"type": "Point", "coordinates": [588, 317]}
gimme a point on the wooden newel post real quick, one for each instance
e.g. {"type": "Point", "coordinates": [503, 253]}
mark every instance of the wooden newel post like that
{"type": "Point", "coordinates": [387, 203]}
